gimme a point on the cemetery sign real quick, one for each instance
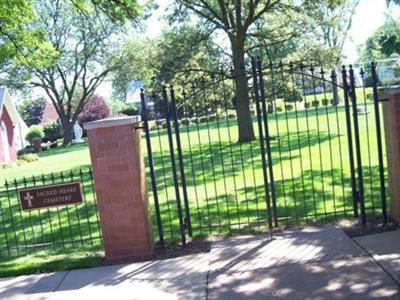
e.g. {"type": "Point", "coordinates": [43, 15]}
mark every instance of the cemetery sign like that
{"type": "Point", "coordinates": [50, 195]}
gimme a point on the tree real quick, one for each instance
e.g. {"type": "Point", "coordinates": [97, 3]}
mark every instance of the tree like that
{"type": "Point", "coordinates": [390, 44]}
{"type": "Point", "coordinates": [96, 109]}
{"type": "Point", "coordinates": [78, 51]}
{"type": "Point", "coordinates": [240, 20]}
{"type": "Point", "coordinates": [31, 111]}
{"type": "Point", "coordinates": [16, 14]}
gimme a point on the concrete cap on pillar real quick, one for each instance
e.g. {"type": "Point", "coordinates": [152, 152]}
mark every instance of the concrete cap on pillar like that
{"type": "Point", "coordinates": [110, 122]}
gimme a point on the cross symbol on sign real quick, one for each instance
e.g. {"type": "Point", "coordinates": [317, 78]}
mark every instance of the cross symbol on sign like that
{"type": "Point", "coordinates": [28, 198]}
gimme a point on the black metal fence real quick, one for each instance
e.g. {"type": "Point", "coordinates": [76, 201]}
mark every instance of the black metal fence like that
{"type": "Point", "coordinates": [318, 153]}
{"type": "Point", "coordinates": [22, 232]}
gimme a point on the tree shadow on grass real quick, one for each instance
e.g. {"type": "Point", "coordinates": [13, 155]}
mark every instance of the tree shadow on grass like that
{"type": "Point", "coordinates": [305, 198]}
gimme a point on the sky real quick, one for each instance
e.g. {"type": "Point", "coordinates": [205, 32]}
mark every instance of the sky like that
{"type": "Point", "coordinates": [370, 14]}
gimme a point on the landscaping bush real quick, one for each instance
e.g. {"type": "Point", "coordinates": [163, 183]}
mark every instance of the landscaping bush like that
{"type": "Point", "coordinates": [35, 132]}
{"type": "Point", "coordinates": [153, 127]}
{"type": "Point", "coordinates": [289, 107]}
{"type": "Point", "coordinates": [231, 116]}
{"type": "Point", "coordinates": [130, 110]}
{"type": "Point", "coordinates": [307, 105]}
{"type": "Point", "coordinates": [315, 103]}
{"type": "Point", "coordinates": [369, 96]}
{"type": "Point", "coordinates": [53, 145]}
{"type": "Point", "coordinates": [28, 157]}
{"type": "Point", "coordinates": [185, 122]}
{"type": "Point", "coordinates": [96, 109]}
{"type": "Point", "coordinates": [28, 149]}
{"type": "Point", "coordinates": [203, 120]}
{"type": "Point", "coordinates": [212, 118]}
{"type": "Point", "coordinates": [294, 95]}
{"type": "Point", "coordinates": [279, 108]}
{"type": "Point", "coordinates": [325, 102]}
{"type": "Point", "coordinates": [52, 132]}
{"type": "Point", "coordinates": [44, 146]}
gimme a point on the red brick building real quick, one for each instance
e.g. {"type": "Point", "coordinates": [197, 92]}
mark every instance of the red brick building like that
{"type": "Point", "coordinates": [12, 129]}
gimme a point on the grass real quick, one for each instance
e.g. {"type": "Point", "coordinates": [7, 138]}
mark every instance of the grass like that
{"type": "Point", "coordinates": [51, 261]}
{"type": "Point", "coordinates": [310, 161]}
{"type": "Point", "coordinates": [224, 179]}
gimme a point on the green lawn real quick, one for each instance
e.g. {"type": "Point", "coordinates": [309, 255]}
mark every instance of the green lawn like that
{"type": "Point", "coordinates": [310, 162]}
{"type": "Point", "coordinates": [224, 179]}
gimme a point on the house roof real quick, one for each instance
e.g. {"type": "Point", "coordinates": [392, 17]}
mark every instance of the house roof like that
{"type": "Point", "coordinates": [6, 103]}
{"type": "Point", "coordinates": [50, 114]}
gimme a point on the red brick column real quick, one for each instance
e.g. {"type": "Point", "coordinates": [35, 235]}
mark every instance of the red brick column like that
{"type": "Point", "coordinates": [119, 177]}
{"type": "Point", "coordinates": [391, 116]}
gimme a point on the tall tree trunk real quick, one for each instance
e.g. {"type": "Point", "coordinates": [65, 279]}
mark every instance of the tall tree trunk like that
{"type": "Point", "coordinates": [245, 124]}
{"type": "Point", "coordinates": [68, 131]}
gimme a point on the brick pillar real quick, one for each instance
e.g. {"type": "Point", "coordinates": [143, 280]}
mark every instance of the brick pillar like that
{"type": "Point", "coordinates": [391, 116]}
{"type": "Point", "coordinates": [119, 177]}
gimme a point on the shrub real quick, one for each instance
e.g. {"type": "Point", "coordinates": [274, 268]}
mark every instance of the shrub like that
{"type": "Point", "coordinates": [212, 118]}
{"type": "Point", "coordinates": [28, 157]}
{"type": "Point", "coordinates": [231, 116]}
{"type": "Point", "coordinates": [279, 109]}
{"type": "Point", "coordinates": [35, 132]}
{"type": "Point", "coordinates": [194, 120]}
{"type": "Point", "coordinates": [52, 132]}
{"type": "Point", "coordinates": [44, 146]}
{"type": "Point", "coordinates": [369, 96]}
{"type": "Point", "coordinates": [28, 149]}
{"type": "Point", "coordinates": [325, 102]}
{"type": "Point", "coordinates": [315, 103]}
{"type": "Point", "coordinates": [53, 145]}
{"type": "Point", "coordinates": [289, 107]}
{"type": "Point", "coordinates": [307, 105]}
{"type": "Point", "coordinates": [185, 121]}
{"type": "Point", "coordinates": [203, 120]}
{"type": "Point", "coordinates": [130, 110]}
{"type": "Point", "coordinates": [96, 109]}
{"type": "Point", "coordinates": [164, 125]}
{"type": "Point", "coordinates": [294, 96]}
{"type": "Point", "coordinates": [153, 127]}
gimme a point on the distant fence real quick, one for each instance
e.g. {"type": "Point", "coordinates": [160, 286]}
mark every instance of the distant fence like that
{"type": "Point", "coordinates": [22, 231]}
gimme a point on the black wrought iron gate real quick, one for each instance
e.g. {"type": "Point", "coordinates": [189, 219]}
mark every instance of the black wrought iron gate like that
{"type": "Point", "coordinates": [318, 154]}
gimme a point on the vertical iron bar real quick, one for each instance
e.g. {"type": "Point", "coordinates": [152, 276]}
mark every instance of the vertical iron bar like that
{"type": "Point", "coordinates": [151, 166]}
{"type": "Point", "coordinates": [58, 215]}
{"type": "Point", "coordinates": [358, 146]}
{"type": "Point", "coordinates": [3, 218]}
{"type": "Point", "coordinates": [86, 208]}
{"type": "Point", "coordinates": [12, 219]}
{"type": "Point", "coordinates": [335, 88]}
{"type": "Point", "coordinates": [262, 98]}
{"type": "Point", "coordinates": [262, 145]}
{"type": "Point", "coordinates": [379, 141]}
{"type": "Point", "coordinates": [350, 140]}
{"type": "Point", "coordinates": [173, 163]}
{"type": "Point", "coordinates": [188, 223]}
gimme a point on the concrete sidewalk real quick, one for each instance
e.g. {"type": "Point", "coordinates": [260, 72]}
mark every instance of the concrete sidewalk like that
{"type": "Point", "coordinates": [312, 263]}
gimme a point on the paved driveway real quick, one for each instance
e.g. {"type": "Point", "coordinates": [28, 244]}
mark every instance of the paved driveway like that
{"type": "Point", "coordinates": [313, 263]}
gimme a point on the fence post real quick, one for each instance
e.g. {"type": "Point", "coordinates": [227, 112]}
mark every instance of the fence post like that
{"type": "Point", "coordinates": [119, 179]}
{"type": "Point", "coordinates": [391, 119]}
